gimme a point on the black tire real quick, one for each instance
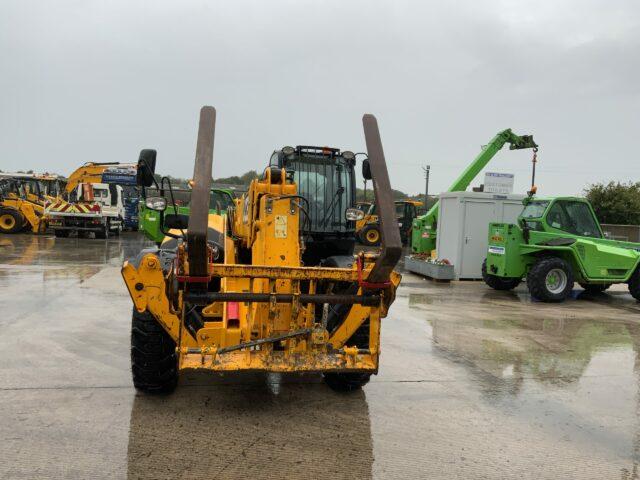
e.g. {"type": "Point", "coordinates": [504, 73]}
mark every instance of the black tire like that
{"type": "Point", "coordinates": [11, 221]}
{"type": "Point", "coordinates": [595, 287]}
{"type": "Point", "coordinates": [154, 363]}
{"type": "Point", "coordinates": [102, 234]}
{"type": "Point", "coordinates": [537, 279]}
{"type": "Point", "coordinates": [370, 236]}
{"type": "Point", "coordinates": [634, 284]}
{"type": "Point", "coordinates": [61, 233]}
{"type": "Point", "coordinates": [346, 382]}
{"type": "Point", "coordinates": [498, 283]}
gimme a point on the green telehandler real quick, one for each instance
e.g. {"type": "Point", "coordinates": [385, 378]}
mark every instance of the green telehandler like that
{"type": "Point", "coordinates": [556, 242]}
{"type": "Point", "coordinates": [424, 228]}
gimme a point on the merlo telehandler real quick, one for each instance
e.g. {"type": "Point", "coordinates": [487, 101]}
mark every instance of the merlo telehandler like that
{"type": "Point", "coordinates": [273, 285]}
{"type": "Point", "coordinates": [556, 242]}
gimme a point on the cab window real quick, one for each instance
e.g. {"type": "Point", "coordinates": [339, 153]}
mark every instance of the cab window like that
{"type": "Point", "coordinates": [534, 209]}
{"type": "Point", "coordinates": [573, 217]}
{"type": "Point", "coordinates": [219, 201]}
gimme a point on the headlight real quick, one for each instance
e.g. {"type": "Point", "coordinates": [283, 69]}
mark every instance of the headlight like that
{"type": "Point", "coordinates": [159, 204]}
{"type": "Point", "coordinates": [288, 151]}
{"type": "Point", "coordinates": [353, 214]}
{"type": "Point", "coordinates": [348, 155]}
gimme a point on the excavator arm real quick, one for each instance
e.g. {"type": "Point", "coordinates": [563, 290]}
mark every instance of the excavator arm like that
{"type": "Point", "coordinates": [423, 239]}
{"type": "Point", "coordinates": [92, 172]}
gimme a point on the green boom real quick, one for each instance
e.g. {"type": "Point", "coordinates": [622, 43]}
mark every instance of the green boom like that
{"type": "Point", "coordinates": [424, 228]}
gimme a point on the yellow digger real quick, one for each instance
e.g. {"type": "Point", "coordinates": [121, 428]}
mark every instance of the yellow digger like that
{"type": "Point", "coordinates": [268, 287]}
{"type": "Point", "coordinates": [21, 204]}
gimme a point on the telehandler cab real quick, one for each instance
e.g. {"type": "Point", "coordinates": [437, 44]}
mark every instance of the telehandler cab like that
{"type": "Point", "coordinates": [272, 286]}
{"type": "Point", "coordinates": [558, 241]}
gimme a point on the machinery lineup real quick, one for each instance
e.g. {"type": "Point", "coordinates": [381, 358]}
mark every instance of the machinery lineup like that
{"type": "Point", "coordinates": [271, 280]}
{"type": "Point", "coordinates": [90, 200]}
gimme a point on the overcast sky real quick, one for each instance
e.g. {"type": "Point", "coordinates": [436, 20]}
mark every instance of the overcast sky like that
{"type": "Point", "coordinates": [97, 81]}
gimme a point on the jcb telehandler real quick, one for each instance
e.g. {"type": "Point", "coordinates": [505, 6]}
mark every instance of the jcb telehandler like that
{"type": "Point", "coordinates": [272, 286]}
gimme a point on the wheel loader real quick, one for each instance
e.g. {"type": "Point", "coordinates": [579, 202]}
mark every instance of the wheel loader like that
{"type": "Point", "coordinates": [273, 285]}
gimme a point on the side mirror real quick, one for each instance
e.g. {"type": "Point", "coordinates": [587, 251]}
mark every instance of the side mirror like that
{"type": "Point", "coordinates": [366, 170]}
{"type": "Point", "coordinates": [176, 221]}
{"type": "Point", "coordinates": [158, 204]}
{"type": "Point", "coordinates": [146, 167]}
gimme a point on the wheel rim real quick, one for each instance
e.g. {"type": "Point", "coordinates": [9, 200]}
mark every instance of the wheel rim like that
{"type": "Point", "coordinates": [556, 280]}
{"type": "Point", "coordinates": [373, 236]}
{"type": "Point", "coordinates": [7, 221]}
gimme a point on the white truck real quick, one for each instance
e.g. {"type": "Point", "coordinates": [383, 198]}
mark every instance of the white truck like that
{"type": "Point", "coordinates": [92, 207]}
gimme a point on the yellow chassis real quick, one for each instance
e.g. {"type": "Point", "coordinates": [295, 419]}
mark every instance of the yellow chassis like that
{"type": "Point", "coordinates": [316, 350]}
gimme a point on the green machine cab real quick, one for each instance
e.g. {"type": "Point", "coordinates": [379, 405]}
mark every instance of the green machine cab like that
{"type": "Point", "coordinates": [556, 242]}
{"type": "Point", "coordinates": [149, 224]}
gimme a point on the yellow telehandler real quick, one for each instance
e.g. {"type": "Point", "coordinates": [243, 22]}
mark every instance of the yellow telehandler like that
{"type": "Point", "coordinates": [272, 286]}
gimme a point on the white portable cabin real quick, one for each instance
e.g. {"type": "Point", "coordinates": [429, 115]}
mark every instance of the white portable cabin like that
{"type": "Point", "coordinates": [463, 227]}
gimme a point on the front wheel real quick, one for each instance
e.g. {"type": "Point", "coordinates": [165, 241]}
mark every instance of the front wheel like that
{"type": "Point", "coordinates": [370, 235]}
{"type": "Point", "coordinates": [11, 221]}
{"type": "Point", "coordinates": [498, 283]}
{"type": "Point", "coordinates": [550, 279]}
{"type": "Point", "coordinates": [154, 362]}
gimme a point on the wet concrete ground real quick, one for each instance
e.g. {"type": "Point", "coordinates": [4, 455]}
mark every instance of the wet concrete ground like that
{"type": "Point", "coordinates": [473, 384]}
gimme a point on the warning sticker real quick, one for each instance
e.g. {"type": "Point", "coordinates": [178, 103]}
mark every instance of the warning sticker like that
{"type": "Point", "coordinates": [496, 250]}
{"type": "Point", "coordinates": [281, 226]}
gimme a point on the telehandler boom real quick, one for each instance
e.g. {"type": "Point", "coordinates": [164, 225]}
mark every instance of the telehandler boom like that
{"type": "Point", "coordinates": [231, 292]}
{"type": "Point", "coordinates": [424, 228]}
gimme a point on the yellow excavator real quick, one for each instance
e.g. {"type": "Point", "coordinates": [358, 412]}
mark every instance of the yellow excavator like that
{"type": "Point", "coordinates": [273, 285]}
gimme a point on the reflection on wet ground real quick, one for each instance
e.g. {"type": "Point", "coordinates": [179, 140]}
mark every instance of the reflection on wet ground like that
{"type": "Point", "coordinates": [250, 427]}
{"type": "Point", "coordinates": [473, 384]}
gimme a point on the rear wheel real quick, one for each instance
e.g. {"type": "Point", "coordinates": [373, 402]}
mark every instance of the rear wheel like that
{"type": "Point", "coordinates": [104, 233]}
{"type": "Point", "coordinates": [154, 363]}
{"type": "Point", "coordinates": [498, 283]}
{"type": "Point", "coordinates": [550, 279]}
{"type": "Point", "coordinates": [595, 287]}
{"type": "Point", "coordinates": [634, 284]}
{"type": "Point", "coordinates": [370, 235]}
{"type": "Point", "coordinates": [11, 221]}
